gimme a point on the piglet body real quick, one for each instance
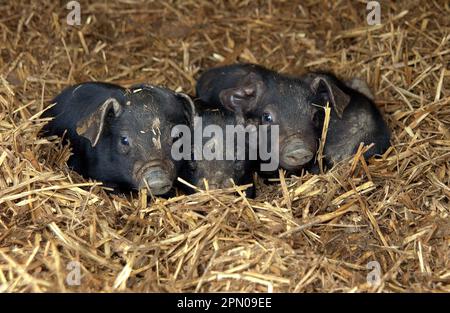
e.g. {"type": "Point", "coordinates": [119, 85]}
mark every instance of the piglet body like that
{"type": "Point", "coordinates": [359, 122]}
{"type": "Point", "coordinates": [296, 104]}
{"type": "Point", "coordinates": [120, 136]}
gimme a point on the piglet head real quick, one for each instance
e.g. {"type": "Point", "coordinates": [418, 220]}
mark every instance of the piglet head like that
{"type": "Point", "coordinates": [133, 137]}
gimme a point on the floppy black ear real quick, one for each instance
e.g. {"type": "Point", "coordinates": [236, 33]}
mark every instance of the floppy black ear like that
{"type": "Point", "coordinates": [93, 125]}
{"type": "Point", "coordinates": [245, 97]}
{"type": "Point", "coordinates": [326, 89]}
{"type": "Point", "coordinates": [361, 86]}
{"type": "Point", "coordinates": [188, 107]}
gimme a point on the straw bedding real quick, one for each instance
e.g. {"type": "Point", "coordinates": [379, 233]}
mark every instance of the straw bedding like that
{"type": "Point", "coordinates": [308, 233]}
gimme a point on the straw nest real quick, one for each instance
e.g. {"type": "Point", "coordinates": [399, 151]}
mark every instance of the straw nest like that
{"type": "Point", "coordinates": [309, 233]}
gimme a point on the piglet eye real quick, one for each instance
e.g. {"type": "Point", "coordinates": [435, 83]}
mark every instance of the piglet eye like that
{"type": "Point", "coordinates": [267, 117]}
{"type": "Point", "coordinates": [124, 140]}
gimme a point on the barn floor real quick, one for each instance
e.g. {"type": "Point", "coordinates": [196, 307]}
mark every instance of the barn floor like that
{"type": "Point", "coordinates": [383, 226]}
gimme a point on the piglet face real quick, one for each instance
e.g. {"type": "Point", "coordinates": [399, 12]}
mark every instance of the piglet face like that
{"type": "Point", "coordinates": [133, 138]}
{"type": "Point", "coordinates": [220, 174]}
{"type": "Point", "coordinates": [275, 100]}
{"type": "Point", "coordinates": [223, 161]}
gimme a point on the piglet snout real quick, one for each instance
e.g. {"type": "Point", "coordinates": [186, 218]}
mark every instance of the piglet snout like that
{"type": "Point", "coordinates": [295, 154]}
{"type": "Point", "coordinates": [158, 181]}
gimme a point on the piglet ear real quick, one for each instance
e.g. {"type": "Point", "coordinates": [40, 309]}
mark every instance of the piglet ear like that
{"type": "Point", "coordinates": [189, 106]}
{"type": "Point", "coordinates": [326, 89]}
{"type": "Point", "coordinates": [91, 127]}
{"type": "Point", "coordinates": [244, 98]}
{"type": "Point", "coordinates": [361, 86]}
